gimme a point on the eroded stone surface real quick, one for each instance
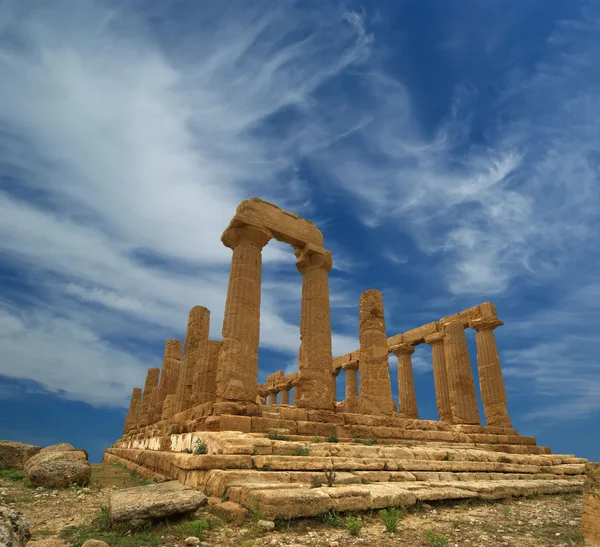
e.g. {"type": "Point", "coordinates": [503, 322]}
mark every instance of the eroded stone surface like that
{"type": "Point", "coordinates": [15, 455]}
{"type": "Point", "coordinates": [58, 469]}
{"type": "Point", "coordinates": [590, 521]}
{"type": "Point", "coordinates": [14, 528]}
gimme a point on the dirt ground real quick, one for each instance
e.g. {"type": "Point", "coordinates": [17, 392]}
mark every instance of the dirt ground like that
{"type": "Point", "coordinates": [551, 521]}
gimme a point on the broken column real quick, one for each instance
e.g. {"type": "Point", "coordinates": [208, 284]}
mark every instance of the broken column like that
{"type": "Point", "coordinates": [461, 386]}
{"type": "Point", "coordinates": [238, 360]}
{"type": "Point", "coordinates": [375, 385]}
{"type": "Point", "coordinates": [350, 369]}
{"type": "Point", "coordinates": [491, 383]}
{"type": "Point", "coordinates": [407, 395]}
{"type": "Point", "coordinates": [316, 386]}
{"type": "Point", "coordinates": [205, 384]}
{"type": "Point", "coordinates": [169, 376]}
{"type": "Point", "coordinates": [146, 407]}
{"type": "Point", "coordinates": [197, 332]}
{"type": "Point", "coordinates": [136, 398]}
{"type": "Point", "coordinates": [440, 378]}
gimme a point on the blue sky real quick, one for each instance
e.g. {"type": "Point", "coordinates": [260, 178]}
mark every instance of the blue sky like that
{"type": "Point", "coordinates": [449, 152]}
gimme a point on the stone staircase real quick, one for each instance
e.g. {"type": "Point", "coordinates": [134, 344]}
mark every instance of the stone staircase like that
{"type": "Point", "coordinates": [284, 473]}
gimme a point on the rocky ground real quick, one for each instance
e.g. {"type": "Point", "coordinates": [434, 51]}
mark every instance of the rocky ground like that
{"type": "Point", "coordinates": [71, 516]}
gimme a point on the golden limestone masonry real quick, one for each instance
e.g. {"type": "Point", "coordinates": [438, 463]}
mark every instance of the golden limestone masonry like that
{"type": "Point", "coordinates": [204, 420]}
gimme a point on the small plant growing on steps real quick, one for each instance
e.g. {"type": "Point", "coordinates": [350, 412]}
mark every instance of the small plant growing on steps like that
{"type": "Point", "coordinates": [333, 437]}
{"type": "Point", "coordinates": [275, 436]}
{"type": "Point", "coordinates": [315, 482]}
{"type": "Point", "coordinates": [331, 518]}
{"type": "Point", "coordinates": [303, 451]}
{"type": "Point", "coordinates": [447, 457]}
{"type": "Point", "coordinates": [329, 476]}
{"type": "Point", "coordinates": [354, 525]}
{"type": "Point", "coordinates": [435, 540]}
{"type": "Point", "coordinates": [200, 448]}
{"type": "Point", "coordinates": [390, 518]}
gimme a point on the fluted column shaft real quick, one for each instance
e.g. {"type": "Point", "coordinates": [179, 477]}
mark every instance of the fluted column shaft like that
{"type": "Point", "coordinates": [491, 383]}
{"type": "Point", "coordinates": [461, 386]}
{"type": "Point", "coordinates": [316, 387]}
{"type": "Point", "coordinates": [146, 406]}
{"type": "Point", "coordinates": [375, 384]}
{"type": "Point", "coordinates": [205, 384]}
{"type": "Point", "coordinates": [407, 395]}
{"type": "Point", "coordinates": [238, 361]}
{"type": "Point", "coordinates": [136, 397]}
{"type": "Point", "coordinates": [273, 397]}
{"type": "Point", "coordinates": [196, 332]}
{"type": "Point", "coordinates": [285, 397]}
{"type": "Point", "coordinates": [169, 376]}
{"type": "Point", "coordinates": [351, 378]}
{"type": "Point", "coordinates": [440, 377]}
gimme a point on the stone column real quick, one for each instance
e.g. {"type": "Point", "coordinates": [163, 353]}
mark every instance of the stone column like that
{"type": "Point", "coordinates": [136, 398]}
{"type": "Point", "coordinates": [272, 397]}
{"type": "Point", "coordinates": [491, 383]}
{"type": "Point", "coordinates": [238, 360]}
{"type": "Point", "coordinates": [440, 378]}
{"type": "Point", "coordinates": [285, 396]}
{"type": "Point", "coordinates": [169, 375]}
{"type": "Point", "coordinates": [375, 385]}
{"type": "Point", "coordinates": [461, 386]}
{"type": "Point", "coordinates": [350, 369]}
{"type": "Point", "coordinates": [149, 387]}
{"type": "Point", "coordinates": [197, 332]}
{"type": "Point", "coordinates": [206, 377]}
{"type": "Point", "coordinates": [316, 387]}
{"type": "Point", "coordinates": [168, 409]}
{"type": "Point", "coordinates": [407, 396]}
{"type": "Point", "coordinates": [590, 520]}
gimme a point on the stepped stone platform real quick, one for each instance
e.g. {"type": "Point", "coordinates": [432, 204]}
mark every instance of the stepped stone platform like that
{"type": "Point", "coordinates": [316, 454]}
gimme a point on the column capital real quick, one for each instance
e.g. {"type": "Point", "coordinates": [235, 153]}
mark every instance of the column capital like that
{"type": "Point", "coordinates": [398, 349]}
{"type": "Point", "coordinates": [311, 256]}
{"type": "Point", "coordinates": [485, 324]}
{"type": "Point", "coordinates": [238, 232]}
{"type": "Point", "coordinates": [351, 365]}
{"type": "Point", "coordinates": [272, 390]}
{"type": "Point", "coordinates": [435, 338]}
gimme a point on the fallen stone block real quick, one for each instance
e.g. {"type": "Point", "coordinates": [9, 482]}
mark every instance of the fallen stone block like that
{"type": "Point", "coordinates": [14, 455]}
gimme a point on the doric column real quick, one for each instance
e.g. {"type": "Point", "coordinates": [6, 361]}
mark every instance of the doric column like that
{"type": "Point", "coordinates": [375, 385]}
{"type": "Point", "coordinates": [146, 407]}
{"type": "Point", "coordinates": [238, 360]}
{"type": "Point", "coordinates": [197, 332]}
{"type": "Point", "coordinates": [316, 388]}
{"type": "Point", "coordinates": [169, 376]}
{"type": "Point", "coordinates": [491, 383]}
{"type": "Point", "coordinates": [461, 386]}
{"type": "Point", "coordinates": [136, 398]}
{"type": "Point", "coordinates": [440, 378]}
{"type": "Point", "coordinates": [285, 396]}
{"type": "Point", "coordinates": [168, 409]}
{"type": "Point", "coordinates": [273, 396]}
{"type": "Point", "coordinates": [407, 395]}
{"type": "Point", "coordinates": [350, 369]}
{"type": "Point", "coordinates": [205, 384]}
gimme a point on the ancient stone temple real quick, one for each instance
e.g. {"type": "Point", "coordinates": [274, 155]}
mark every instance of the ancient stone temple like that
{"type": "Point", "coordinates": [204, 420]}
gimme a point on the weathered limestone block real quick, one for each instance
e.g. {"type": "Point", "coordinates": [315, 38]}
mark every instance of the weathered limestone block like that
{"type": "Point", "coordinates": [14, 527]}
{"type": "Point", "coordinates": [154, 501]}
{"type": "Point", "coordinates": [205, 385]}
{"type": "Point", "coordinates": [238, 360]}
{"type": "Point", "coordinates": [461, 386]}
{"type": "Point", "coordinates": [197, 332]}
{"type": "Point", "coordinates": [58, 469]}
{"type": "Point", "coordinates": [406, 381]}
{"type": "Point", "coordinates": [440, 377]}
{"type": "Point", "coordinates": [590, 521]}
{"type": "Point", "coordinates": [136, 399]}
{"type": "Point", "coordinates": [375, 385]}
{"type": "Point", "coordinates": [316, 385]}
{"type": "Point", "coordinates": [15, 455]}
{"type": "Point", "coordinates": [493, 393]}
{"type": "Point", "coordinates": [350, 369]}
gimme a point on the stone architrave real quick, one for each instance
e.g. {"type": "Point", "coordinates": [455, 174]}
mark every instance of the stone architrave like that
{"type": "Point", "coordinates": [491, 383]}
{"type": "Point", "coordinates": [197, 332]}
{"type": "Point", "coordinates": [206, 375]}
{"type": "Point", "coordinates": [407, 394]}
{"type": "Point", "coordinates": [316, 385]}
{"type": "Point", "coordinates": [375, 384]}
{"type": "Point", "coordinates": [136, 398]}
{"type": "Point", "coordinates": [149, 386]}
{"type": "Point", "coordinates": [590, 520]}
{"type": "Point", "coordinates": [461, 386]}
{"type": "Point", "coordinates": [169, 376]}
{"type": "Point", "coordinates": [237, 372]}
{"type": "Point", "coordinates": [440, 378]}
{"type": "Point", "coordinates": [350, 369]}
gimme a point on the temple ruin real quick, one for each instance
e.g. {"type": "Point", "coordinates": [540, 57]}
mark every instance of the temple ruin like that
{"type": "Point", "coordinates": [257, 448]}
